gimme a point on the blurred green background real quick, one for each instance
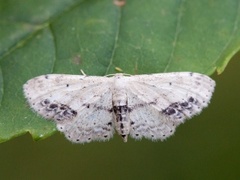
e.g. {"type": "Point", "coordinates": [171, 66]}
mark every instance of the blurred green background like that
{"type": "Point", "coordinates": [205, 147]}
{"type": "Point", "coordinates": [38, 37]}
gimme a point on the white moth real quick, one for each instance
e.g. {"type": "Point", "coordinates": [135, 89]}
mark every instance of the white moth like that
{"type": "Point", "coordinates": [91, 108]}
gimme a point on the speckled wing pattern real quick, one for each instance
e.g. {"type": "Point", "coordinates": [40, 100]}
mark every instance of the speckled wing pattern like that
{"type": "Point", "coordinates": [160, 102]}
{"type": "Point", "coordinates": [91, 108]}
{"type": "Point", "coordinates": [81, 110]}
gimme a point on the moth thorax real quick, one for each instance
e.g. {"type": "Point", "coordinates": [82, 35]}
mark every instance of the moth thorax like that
{"type": "Point", "coordinates": [119, 92]}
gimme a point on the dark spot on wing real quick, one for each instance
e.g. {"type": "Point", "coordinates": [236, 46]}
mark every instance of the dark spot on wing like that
{"type": "Point", "coordinates": [74, 112]}
{"type": "Point", "coordinates": [58, 111]}
{"type": "Point", "coordinates": [184, 104]}
{"type": "Point", "coordinates": [46, 101]}
{"type": "Point", "coordinates": [180, 109]}
{"type": "Point", "coordinates": [52, 106]}
{"type": "Point", "coordinates": [190, 99]}
{"type": "Point", "coordinates": [87, 105]}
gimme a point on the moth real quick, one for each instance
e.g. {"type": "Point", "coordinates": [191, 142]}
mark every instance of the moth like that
{"type": "Point", "coordinates": [92, 108]}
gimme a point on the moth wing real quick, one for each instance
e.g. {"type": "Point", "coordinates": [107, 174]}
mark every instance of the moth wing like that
{"type": "Point", "coordinates": [158, 103]}
{"type": "Point", "coordinates": [79, 105]}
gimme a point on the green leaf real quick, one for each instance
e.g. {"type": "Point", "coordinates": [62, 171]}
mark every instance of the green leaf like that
{"type": "Point", "coordinates": [64, 36]}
